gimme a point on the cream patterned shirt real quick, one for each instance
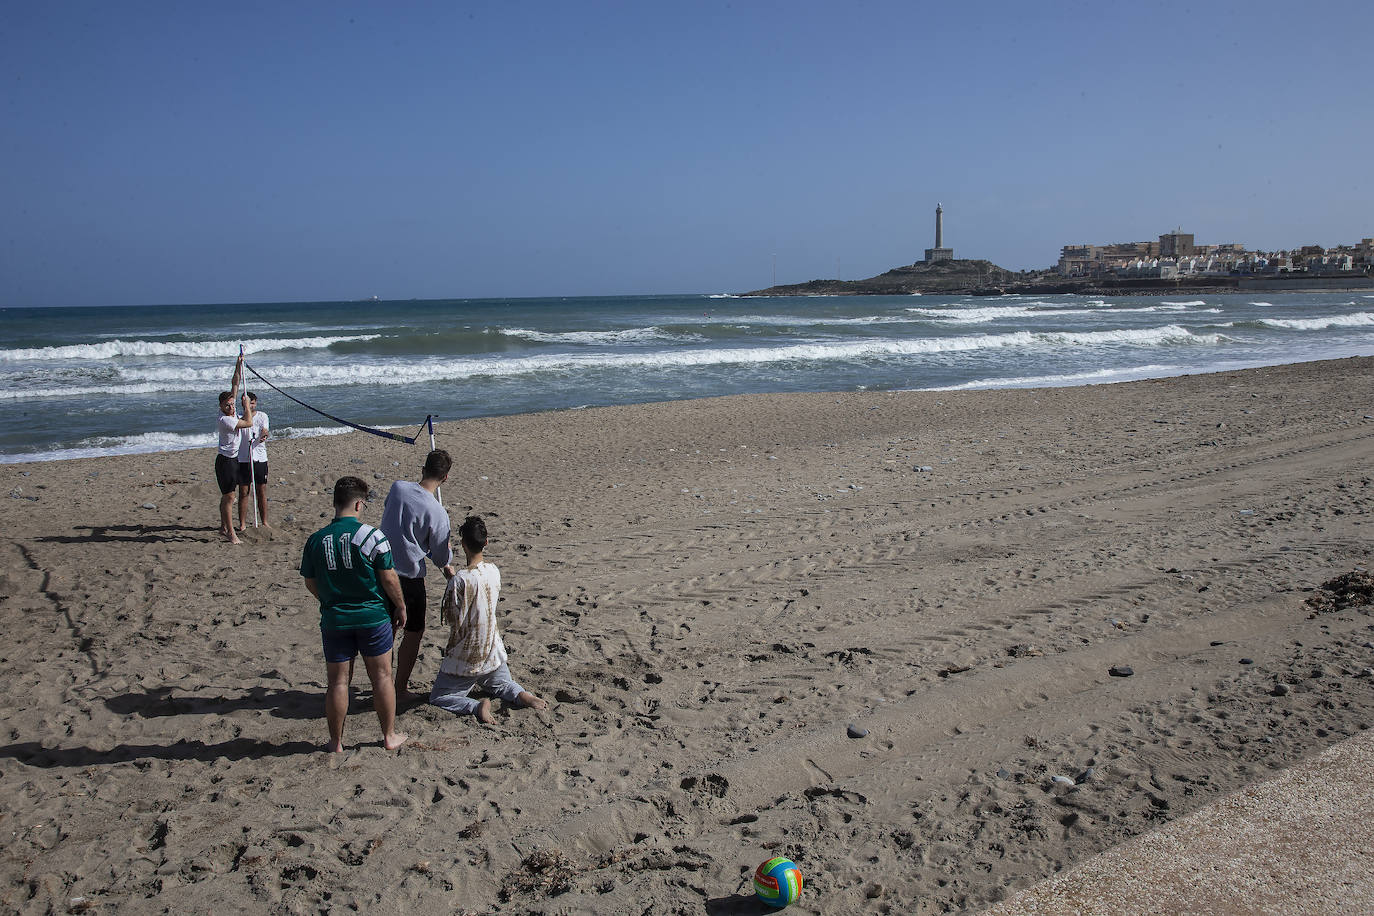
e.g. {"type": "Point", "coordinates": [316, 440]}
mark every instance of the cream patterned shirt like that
{"type": "Point", "coordinates": [469, 608]}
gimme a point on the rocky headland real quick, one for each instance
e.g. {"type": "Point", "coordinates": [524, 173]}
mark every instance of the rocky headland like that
{"type": "Point", "coordinates": [980, 277]}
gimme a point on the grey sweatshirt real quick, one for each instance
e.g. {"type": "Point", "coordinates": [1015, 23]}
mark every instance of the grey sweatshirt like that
{"type": "Point", "coordinates": [417, 526]}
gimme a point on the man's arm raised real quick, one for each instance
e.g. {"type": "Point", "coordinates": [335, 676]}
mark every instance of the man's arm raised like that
{"type": "Point", "coordinates": [237, 377]}
{"type": "Point", "coordinates": [246, 420]}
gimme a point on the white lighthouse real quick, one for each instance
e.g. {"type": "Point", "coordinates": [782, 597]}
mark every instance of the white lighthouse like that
{"type": "Point", "coordinates": [939, 252]}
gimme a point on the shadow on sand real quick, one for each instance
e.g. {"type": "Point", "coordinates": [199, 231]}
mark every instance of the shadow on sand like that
{"type": "Point", "coordinates": [139, 534]}
{"type": "Point", "coordinates": [738, 905]}
{"type": "Point", "coordinates": [283, 704]}
{"type": "Point", "coordinates": [35, 754]}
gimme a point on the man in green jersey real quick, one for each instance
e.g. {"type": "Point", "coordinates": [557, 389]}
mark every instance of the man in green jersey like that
{"type": "Point", "coordinates": [348, 566]}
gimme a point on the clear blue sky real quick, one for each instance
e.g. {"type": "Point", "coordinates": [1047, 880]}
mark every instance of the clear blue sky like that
{"type": "Point", "coordinates": [172, 152]}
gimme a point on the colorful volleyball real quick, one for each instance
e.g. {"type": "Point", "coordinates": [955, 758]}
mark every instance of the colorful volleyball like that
{"type": "Point", "coordinates": [778, 882]}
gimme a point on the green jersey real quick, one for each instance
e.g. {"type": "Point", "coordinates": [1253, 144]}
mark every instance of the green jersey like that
{"type": "Point", "coordinates": [343, 558]}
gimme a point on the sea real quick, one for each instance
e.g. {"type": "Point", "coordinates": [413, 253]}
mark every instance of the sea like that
{"type": "Point", "coordinates": [78, 382]}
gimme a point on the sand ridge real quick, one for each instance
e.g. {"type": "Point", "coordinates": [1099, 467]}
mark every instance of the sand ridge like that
{"type": "Point", "coordinates": [709, 592]}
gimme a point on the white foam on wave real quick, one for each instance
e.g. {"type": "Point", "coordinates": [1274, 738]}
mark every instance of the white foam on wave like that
{"type": "Point", "coordinates": [797, 321]}
{"type": "Point", "coordinates": [208, 349]}
{"type": "Point", "coordinates": [297, 377]}
{"type": "Point", "coordinates": [143, 443]}
{"type": "Point", "coordinates": [1038, 309]}
{"type": "Point", "coordinates": [1266, 305]}
{"type": "Point", "coordinates": [1168, 307]}
{"type": "Point", "coordinates": [1357, 320]}
{"type": "Point", "coordinates": [1189, 302]}
{"type": "Point", "coordinates": [629, 335]}
{"type": "Point", "coordinates": [984, 314]}
{"type": "Point", "coordinates": [1095, 377]}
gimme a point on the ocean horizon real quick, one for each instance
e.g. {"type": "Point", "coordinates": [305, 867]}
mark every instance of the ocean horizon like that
{"type": "Point", "coordinates": [100, 380]}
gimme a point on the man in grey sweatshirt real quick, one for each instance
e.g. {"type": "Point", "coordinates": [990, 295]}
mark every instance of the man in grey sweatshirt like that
{"type": "Point", "coordinates": [417, 527]}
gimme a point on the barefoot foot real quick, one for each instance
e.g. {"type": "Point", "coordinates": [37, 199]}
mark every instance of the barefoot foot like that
{"type": "Point", "coordinates": [394, 740]}
{"type": "Point", "coordinates": [533, 702]}
{"type": "Point", "coordinates": [484, 713]}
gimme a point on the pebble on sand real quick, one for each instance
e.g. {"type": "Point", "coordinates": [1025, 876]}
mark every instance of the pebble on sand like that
{"type": "Point", "coordinates": [855, 731]}
{"type": "Point", "coordinates": [1280, 690]}
{"type": "Point", "coordinates": [1121, 671]}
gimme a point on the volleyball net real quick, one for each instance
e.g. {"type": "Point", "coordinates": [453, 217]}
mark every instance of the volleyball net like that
{"type": "Point", "coordinates": [409, 440]}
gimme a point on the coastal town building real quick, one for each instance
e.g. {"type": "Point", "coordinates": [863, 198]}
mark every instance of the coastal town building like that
{"type": "Point", "coordinates": [1176, 254]}
{"type": "Point", "coordinates": [1363, 253]}
{"type": "Point", "coordinates": [1176, 244]}
{"type": "Point", "coordinates": [939, 252]}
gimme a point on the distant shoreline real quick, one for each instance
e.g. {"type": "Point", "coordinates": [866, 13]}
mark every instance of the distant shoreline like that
{"type": "Point", "coordinates": [983, 278]}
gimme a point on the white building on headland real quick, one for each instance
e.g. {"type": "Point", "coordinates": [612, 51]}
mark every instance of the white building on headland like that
{"type": "Point", "coordinates": [1177, 255]}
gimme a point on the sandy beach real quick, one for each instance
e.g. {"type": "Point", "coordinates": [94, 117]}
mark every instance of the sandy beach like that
{"type": "Point", "coordinates": [873, 632]}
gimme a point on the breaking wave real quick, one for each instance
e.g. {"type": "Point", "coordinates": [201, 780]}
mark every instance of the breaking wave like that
{"type": "Point", "coordinates": [207, 349]}
{"type": "Point", "coordinates": [293, 377]}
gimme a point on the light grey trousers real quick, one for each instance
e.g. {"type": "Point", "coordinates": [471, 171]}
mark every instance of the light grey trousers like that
{"type": "Point", "coordinates": [451, 691]}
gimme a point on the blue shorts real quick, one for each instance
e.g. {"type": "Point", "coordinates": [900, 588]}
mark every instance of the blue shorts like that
{"type": "Point", "coordinates": [369, 642]}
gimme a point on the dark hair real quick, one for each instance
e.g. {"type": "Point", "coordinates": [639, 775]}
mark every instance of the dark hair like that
{"type": "Point", "coordinates": [226, 396]}
{"type": "Point", "coordinates": [252, 397]}
{"type": "Point", "coordinates": [347, 489]}
{"type": "Point", "coordinates": [437, 464]}
{"type": "Point", "coordinates": [473, 533]}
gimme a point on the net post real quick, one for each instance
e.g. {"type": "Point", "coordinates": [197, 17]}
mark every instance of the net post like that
{"type": "Point", "coordinates": [252, 443]}
{"type": "Point", "coordinates": [438, 491]}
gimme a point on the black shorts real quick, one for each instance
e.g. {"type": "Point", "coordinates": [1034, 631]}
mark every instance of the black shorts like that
{"type": "Point", "coordinates": [226, 474]}
{"type": "Point", "coordinates": [413, 590]}
{"type": "Point", "coordinates": [259, 473]}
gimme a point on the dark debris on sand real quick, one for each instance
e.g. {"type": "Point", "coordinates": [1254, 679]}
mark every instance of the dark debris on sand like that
{"type": "Point", "coordinates": [1354, 589]}
{"type": "Point", "coordinates": [544, 872]}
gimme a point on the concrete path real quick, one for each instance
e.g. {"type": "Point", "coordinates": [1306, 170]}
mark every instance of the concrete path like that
{"type": "Point", "coordinates": [1300, 843]}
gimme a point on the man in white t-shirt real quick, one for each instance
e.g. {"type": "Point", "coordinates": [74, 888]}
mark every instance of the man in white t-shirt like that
{"type": "Point", "coordinates": [253, 461]}
{"type": "Point", "coordinates": [228, 424]}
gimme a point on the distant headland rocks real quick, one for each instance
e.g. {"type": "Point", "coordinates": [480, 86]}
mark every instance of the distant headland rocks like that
{"type": "Point", "coordinates": [1172, 264]}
